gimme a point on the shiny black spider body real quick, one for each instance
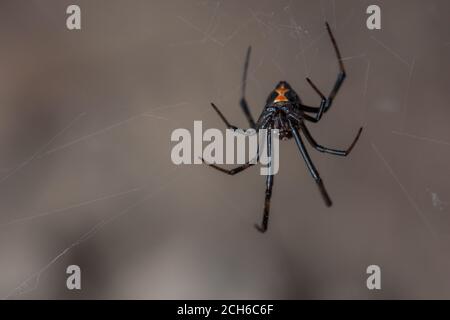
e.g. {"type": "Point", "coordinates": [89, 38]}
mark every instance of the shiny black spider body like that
{"type": "Point", "coordinates": [285, 111]}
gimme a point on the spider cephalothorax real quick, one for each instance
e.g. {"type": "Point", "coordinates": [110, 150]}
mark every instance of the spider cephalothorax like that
{"type": "Point", "coordinates": [285, 111]}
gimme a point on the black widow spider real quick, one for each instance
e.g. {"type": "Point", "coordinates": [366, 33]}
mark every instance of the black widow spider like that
{"type": "Point", "coordinates": [285, 111]}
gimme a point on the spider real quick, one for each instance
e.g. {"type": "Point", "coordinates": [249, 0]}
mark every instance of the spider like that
{"type": "Point", "coordinates": [285, 111]}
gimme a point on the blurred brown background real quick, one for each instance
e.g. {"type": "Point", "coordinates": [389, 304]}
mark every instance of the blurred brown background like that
{"type": "Point", "coordinates": [86, 176]}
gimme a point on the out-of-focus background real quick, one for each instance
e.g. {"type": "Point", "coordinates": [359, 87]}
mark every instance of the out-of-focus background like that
{"type": "Point", "coordinates": [86, 176]}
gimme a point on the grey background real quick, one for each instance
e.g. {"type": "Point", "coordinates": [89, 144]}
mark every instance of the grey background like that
{"type": "Point", "coordinates": [86, 176]}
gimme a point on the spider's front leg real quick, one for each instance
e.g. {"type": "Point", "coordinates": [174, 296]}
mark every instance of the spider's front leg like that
{"type": "Point", "coordinates": [326, 102]}
{"type": "Point", "coordinates": [243, 102]}
{"type": "Point", "coordinates": [229, 126]}
{"type": "Point", "coordinates": [236, 170]}
{"type": "Point", "coordinates": [342, 74]}
{"type": "Point", "coordinates": [318, 111]}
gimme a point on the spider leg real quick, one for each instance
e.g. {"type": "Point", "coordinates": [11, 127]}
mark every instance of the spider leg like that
{"type": "Point", "coordinates": [236, 170]}
{"type": "Point", "coordinates": [243, 102]}
{"type": "Point", "coordinates": [309, 118]}
{"type": "Point", "coordinates": [341, 76]}
{"type": "Point", "coordinates": [229, 126]}
{"type": "Point", "coordinates": [269, 185]}
{"type": "Point", "coordinates": [265, 221]}
{"type": "Point", "coordinates": [298, 118]}
{"type": "Point", "coordinates": [321, 148]}
{"type": "Point", "coordinates": [233, 171]}
{"type": "Point", "coordinates": [326, 103]}
{"type": "Point", "coordinates": [312, 169]}
{"type": "Point", "coordinates": [318, 111]}
{"type": "Point", "coordinates": [308, 108]}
